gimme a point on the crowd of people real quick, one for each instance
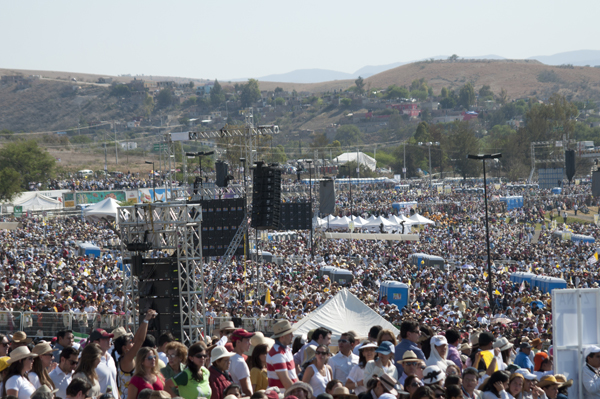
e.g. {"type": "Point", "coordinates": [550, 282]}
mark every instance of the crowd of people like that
{"type": "Point", "coordinates": [492, 342]}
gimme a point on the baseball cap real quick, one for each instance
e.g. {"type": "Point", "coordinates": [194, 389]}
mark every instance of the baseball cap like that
{"type": "Point", "coordinates": [240, 334]}
{"type": "Point", "coordinates": [486, 338]}
{"type": "Point", "coordinates": [386, 348]}
{"type": "Point", "coordinates": [99, 334]}
{"type": "Point", "coordinates": [526, 374]}
{"type": "Point", "coordinates": [589, 350]}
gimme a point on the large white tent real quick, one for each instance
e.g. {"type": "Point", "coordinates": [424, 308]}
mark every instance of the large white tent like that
{"type": "Point", "coordinates": [106, 209]}
{"type": "Point", "coordinates": [37, 202]}
{"type": "Point", "coordinates": [343, 312]}
{"type": "Point", "coordinates": [377, 222]}
{"type": "Point", "coordinates": [418, 219]}
{"type": "Point", "coordinates": [363, 159]}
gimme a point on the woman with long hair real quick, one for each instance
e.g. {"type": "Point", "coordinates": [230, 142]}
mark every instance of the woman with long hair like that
{"type": "Point", "coordinates": [193, 381]}
{"type": "Point", "coordinates": [147, 373]}
{"type": "Point", "coordinates": [86, 370]}
{"type": "Point", "coordinates": [126, 345]}
{"type": "Point", "coordinates": [318, 373]}
{"type": "Point", "coordinates": [39, 372]}
{"type": "Point", "coordinates": [15, 382]}
{"type": "Point", "coordinates": [257, 363]}
{"type": "Point", "coordinates": [356, 377]}
{"type": "Point", "coordinates": [386, 335]}
{"type": "Point", "coordinates": [515, 385]}
{"type": "Point", "coordinates": [495, 387]}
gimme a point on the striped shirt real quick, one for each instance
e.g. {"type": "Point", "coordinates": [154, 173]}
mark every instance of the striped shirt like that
{"type": "Point", "coordinates": [280, 358]}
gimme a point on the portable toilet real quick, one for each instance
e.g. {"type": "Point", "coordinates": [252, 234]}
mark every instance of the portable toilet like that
{"type": "Point", "coordinates": [87, 249]}
{"type": "Point", "coordinates": [557, 190]}
{"type": "Point", "coordinates": [397, 293]}
{"type": "Point", "coordinates": [526, 276]}
{"type": "Point", "coordinates": [435, 261]}
{"type": "Point", "coordinates": [516, 277]}
{"type": "Point", "coordinates": [342, 276]}
{"type": "Point", "coordinates": [556, 283]}
{"type": "Point", "coordinates": [327, 270]}
{"type": "Point", "coordinates": [416, 259]}
{"type": "Point", "coordinates": [536, 282]}
{"type": "Point", "coordinates": [582, 238]}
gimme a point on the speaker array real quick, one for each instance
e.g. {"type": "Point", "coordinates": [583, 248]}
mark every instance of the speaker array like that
{"type": "Point", "coordinates": [266, 197]}
{"type": "Point", "coordinates": [295, 216]}
{"type": "Point", "coordinates": [220, 221]}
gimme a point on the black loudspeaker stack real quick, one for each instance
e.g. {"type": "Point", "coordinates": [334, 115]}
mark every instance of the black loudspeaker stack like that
{"type": "Point", "coordinates": [295, 216]}
{"type": "Point", "coordinates": [159, 290]}
{"type": "Point", "coordinates": [266, 197]}
{"type": "Point", "coordinates": [570, 164]}
{"type": "Point", "coordinates": [220, 221]}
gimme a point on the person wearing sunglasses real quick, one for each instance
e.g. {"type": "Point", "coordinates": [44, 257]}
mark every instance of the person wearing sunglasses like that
{"type": "Point", "coordinates": [411, 365]}
{"type": "Point", "coordinates": [62, 375]}
{"type": "Point", "coordinates": [193, 382]}
{"type": "Point", "coordinates": [412, 383]}
{"type": "Point", "coordinates": [343, 361]}
{"type": "Point", "coordinates": [147, 373]}
{"type": "Point", "coordinates": [318, 373]}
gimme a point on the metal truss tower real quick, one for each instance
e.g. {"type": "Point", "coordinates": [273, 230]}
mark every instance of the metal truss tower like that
{"type": "Point", "coordinates": [173, 228]}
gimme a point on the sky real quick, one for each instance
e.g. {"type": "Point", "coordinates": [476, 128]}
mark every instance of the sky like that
{"type": "Point", "coordinates": [229, 39]}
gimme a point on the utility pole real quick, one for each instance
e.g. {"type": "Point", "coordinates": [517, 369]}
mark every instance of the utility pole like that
{"type": "Point", "coordinates": [116, 144]}
{"type": "Point", "coordinates": [404, 163]}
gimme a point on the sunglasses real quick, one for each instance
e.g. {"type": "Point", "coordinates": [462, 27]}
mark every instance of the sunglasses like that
{"type": "Point", "coordinates": [411, 363]}
{"type": "Point", "coordinates": [151, 358]}
{"type": "Point", "coordinates": [321, 353]}
{"type": "Point", "coordinates": [343, 341]}
{"type": "Point", "coordinates": [73, 362]}
{"type": "Point", "coordinates": [200, 356]}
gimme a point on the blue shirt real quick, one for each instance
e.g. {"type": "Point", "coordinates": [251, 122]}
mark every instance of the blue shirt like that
{"type": "Point", "coordinates": [523, 361]}
{"type": "Point", "coordinates": [403, 346]}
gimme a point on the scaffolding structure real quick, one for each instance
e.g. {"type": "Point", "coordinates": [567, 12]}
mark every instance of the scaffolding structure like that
{"type": "Point", "coordinates": [173, 228]}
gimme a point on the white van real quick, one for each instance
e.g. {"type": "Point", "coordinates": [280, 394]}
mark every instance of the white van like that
{"type": "Point", "coordinates": [85, 173]}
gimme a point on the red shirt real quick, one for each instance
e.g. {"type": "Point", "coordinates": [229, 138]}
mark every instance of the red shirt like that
{"type": "Point", "coordinates": [140, 383]}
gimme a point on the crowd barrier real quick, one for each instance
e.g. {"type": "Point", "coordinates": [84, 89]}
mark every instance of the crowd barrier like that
{"type": "Point", "coordinates": [47, 324]}
{"type": "Point", "coordinates": [247, 323]}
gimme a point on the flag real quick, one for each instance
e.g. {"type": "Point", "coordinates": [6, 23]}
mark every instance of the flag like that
{"type": "Point", "coordinates": [593, 259]}
{"type": "Point", "coordinates": [497, 292]}
{"type": "Point", "coordinates": [268, 297]}
{"type": "Point", "coordinates": [485, 274]}
{"type": "Point", "coordinates": [522, 288]}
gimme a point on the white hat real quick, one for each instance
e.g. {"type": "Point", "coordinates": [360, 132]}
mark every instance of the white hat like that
{"type": "Point", "coordinates": [526, 374]}
{"type": "Point", "coordinates": [589, 350]}
{"type": "Point", "coordinates": [433, 374]}
{"type": "Point", "coordinates": [219, 352]}
{"type": "Point", "coordinates": [439, 340]}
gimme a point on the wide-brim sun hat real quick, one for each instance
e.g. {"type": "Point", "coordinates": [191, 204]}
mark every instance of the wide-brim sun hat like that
{"type": "Point", "coordinates": [281, 328]}
{"type": "Point", "coordinates": [42, 348]}
{"type": "Point", "coordinates": [548, 380]}
{"type": "Point", "coordinates": [20, 353]}
{"type": "Point", "coordinates": [219, 352]}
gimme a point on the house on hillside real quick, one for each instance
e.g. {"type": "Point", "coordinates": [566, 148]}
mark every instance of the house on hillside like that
{"type": "Point", "coordinates": [104, 80]}
{"type": "Point", "coordinates": [10, 79]}
{"type": "Point", "coordinates": [129, 145]}
{"type": "Point", "coordinates": [410, 109]}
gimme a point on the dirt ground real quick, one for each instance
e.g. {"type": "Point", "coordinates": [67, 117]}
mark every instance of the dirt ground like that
{"type": "Point", "coordinates": [77, 160]}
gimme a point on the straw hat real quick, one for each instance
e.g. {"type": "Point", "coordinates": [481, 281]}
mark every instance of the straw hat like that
{"type": "Point", "coordinates": [42, 348]}
{"type": "Point", "coordinates": [120, 332]}
{"type": "Point", "coordinates": [281, 328]}
{"type": "Point", "coordinates": [410, 356]}
{"type": "Point", "coordinates": [560, 378]}
{"type": "Point", "coordinates": [45, 390]}
{"type": "Point", "coordinates": [20, 338]}
{"type": "Point", "coordinates": [20, 353]}
{"type": "Point", "coordinates": [503, 344]}
{"type": "Point", "coordinates": [219, 352]}
{"type": "Point", "coordinates": [226, 326]}
{"type": "Point", "coordinates": [309, 353]}
{"type": "Point", "coordinates": [343, 392]}
{"type": "Point", "coordinates": [548, 380]}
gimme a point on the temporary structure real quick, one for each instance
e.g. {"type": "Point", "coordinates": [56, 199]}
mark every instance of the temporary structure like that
{"type": "Point", "coordinates": [418, 219]}
{"type": "Point", "coordinates": [342, 313]}
{"type": "Point", "coordinates": [363, 159]}
{"type": "Point", "coordinates": [106, 209]}
{"type": "Point", "coordinates": [38, 202]}
{"type": "Point", "coordinates": [376, 224]}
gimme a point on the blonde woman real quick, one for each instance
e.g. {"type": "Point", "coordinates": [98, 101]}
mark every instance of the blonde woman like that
{"type": "Point", "coordinates": [147, 373]}
{"type": "Point", "coordinates": [86, 370]}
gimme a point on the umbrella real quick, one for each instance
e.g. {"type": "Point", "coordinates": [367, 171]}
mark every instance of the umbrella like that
{"type": "Point", "coordinates": [501, 320]}
{"type": "Point", "coordinates": [539, 304]}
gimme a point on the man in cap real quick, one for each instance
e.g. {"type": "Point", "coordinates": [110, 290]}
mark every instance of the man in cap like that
{"type": "Point", "coordinates": [591, 373]}
{"type": "Point", "coordinates": [529, 385]}
{"type": "Point", "coordinates": [281, 369]}
{"type": "Point", "coordinates": [107, 369]}
{"type": "Point", "coordinates": [344, 360]}
{"type": "Point", "coordinates": [240, 373]}
{"type": "Point", "coordinates": [522, 359]}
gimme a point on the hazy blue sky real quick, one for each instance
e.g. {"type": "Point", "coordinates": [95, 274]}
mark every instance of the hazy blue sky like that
{"type": "Point", "coordinates": [241, 38]}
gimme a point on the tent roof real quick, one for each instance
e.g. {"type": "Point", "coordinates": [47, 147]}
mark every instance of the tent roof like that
{"type": "Point", "coordinates": [342, 313]}
{"type": "Point", "coordinates": [38, 202]}
{"type": "Point", "coordinates": [363, 158]}
{"type": "Point", "coordinates": [418, 219]}
{"type": "Point", "coordinates": [103, 209]}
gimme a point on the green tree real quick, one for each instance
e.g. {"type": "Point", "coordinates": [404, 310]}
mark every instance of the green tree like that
{"type": "Point", "coordinates": [360, 85]}
{"type": "Point", "coordinates": [348, 135]}
{"type": "Point", "coordinates": [278, 154]}
{"type": "Point", "coordinates": [394, 91]}
{"type": "Point", "coordinates": [463, 142]}
{"type": "Point", "coordinates": [191, 85]}
{"type": "Point", "coordinates": [120, 90]}
{"type": "Point", "coordinates": [10, 183]}
{"type": "Point", "coordinates": [422, 132]}
{"type": "Point", "coordinates": [33, 163]}
{"type": "Point", "coordinates": [486, 93]}
{"type": "Point", "coordinates": [7, 134]}
{"type": "Point", "coordinates": [80, 139]}
{"type": "Point", "coordinates": [217, 95]}
{"type": "Point", "coordinates": [148, 105]}
{"type": "Point", "coordinates": [164, 98]}
{"type": "Point", "coordinates": [466, 96]}
{"type": "Point", "coordinates": [346, 102]}
{"type": "Point", "coordinates": [250, 93]}
{"type": "Point", "coordinates": [503, 96]}
{"type": "Point", "coordinates": [444, 92]}
{"type": "Point", "coordinates": [319, 141]}
{"type": "Point", "coordinates": [279, 101]}
{"type": "Point", "coordinates": [278, 90]}
{"type": "Point", "coordinates": [453, 58]}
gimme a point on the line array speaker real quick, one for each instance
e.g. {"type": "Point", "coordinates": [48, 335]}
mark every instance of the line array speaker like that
{"type": "Point", "coordinates": [266, 197]}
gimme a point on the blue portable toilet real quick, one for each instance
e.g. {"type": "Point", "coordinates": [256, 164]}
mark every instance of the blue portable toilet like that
{"type": "Point", "coordinates": [557, 190]}
{"type": "Point", "coordinates": [396, 292]}
{"type": "Point", "coordinates": [582, 238]}
{"type": "Point", "coordinates": [556, 283]}
{"type": "Point", "coordinates": [516, 277]}
{"type": "Point", "coordinates": [535, 282]}
{"type": "Point", "coordinates": [85, 249]}
{"type": "Point", "coordinates": [526, 276]}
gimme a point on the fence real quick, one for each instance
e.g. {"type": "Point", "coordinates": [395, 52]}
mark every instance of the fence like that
{"type": "Point", "coordinates": [248, 323]}
{"type": "Point", "coordinates": [45, 324]}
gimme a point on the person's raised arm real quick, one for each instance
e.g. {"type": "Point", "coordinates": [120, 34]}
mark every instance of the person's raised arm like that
{"type": "Point", "coordinates": [126, 362]}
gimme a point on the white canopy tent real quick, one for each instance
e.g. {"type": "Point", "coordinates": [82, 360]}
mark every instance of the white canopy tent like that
{"type": "Point", "coordinates": [358, 221]}
{"type": "Point", "coordinates": [418, 219]}
{"type": "Point", "coordinates": [340, 223]}
{"type": "Point", "coordinates": [342, 313]}
{"type": "Point", "coordinates": [37, 202]}
{"type": "Point", "coordinates": [106, 209]}
{"type": "Point", "coordinates": [376, 224]}
{"type": "Point", "coordinates": [363, 159]}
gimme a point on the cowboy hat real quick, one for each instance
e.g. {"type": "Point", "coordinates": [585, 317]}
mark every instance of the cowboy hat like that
{"type": "Point", "coordinates": [120, 332]}
{"type": "Point", "coordinates": [503, 344]}
{"type": "Point", "coordinates": [548, 380]}
{"type": "Point", "coordinates": [343, 392]}
{"type": "Point", "coordinates": [20, 353]}
{"type": "Point", "coordinates": [226, 325]}
{"type": "Point", "coordinates": [219, 352]}
{"type": "Point", "coordinates": [281, 328]}
{"type": "Point", "coordinates": [20, 338]}
{"type": "Point", "coordinates": [389, 383]}
{"type": "Point", "coordinates": [42, 348]}
{"type": "Point", "coordinates": [563, 380]}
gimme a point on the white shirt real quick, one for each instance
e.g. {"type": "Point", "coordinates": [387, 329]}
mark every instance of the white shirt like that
{"type": "Point", "coordinates": [341, 365]}
{"type": "Point", "coordinates": [163, 356]}
{"type": "Point", "coordinates": [238, 369]}
{"type": "Point", "coordinates": [22, 385]}
{"type": "Point", "coordinates": [107, 373]}
{"type": "Point", "coordinates": [61, 381]}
